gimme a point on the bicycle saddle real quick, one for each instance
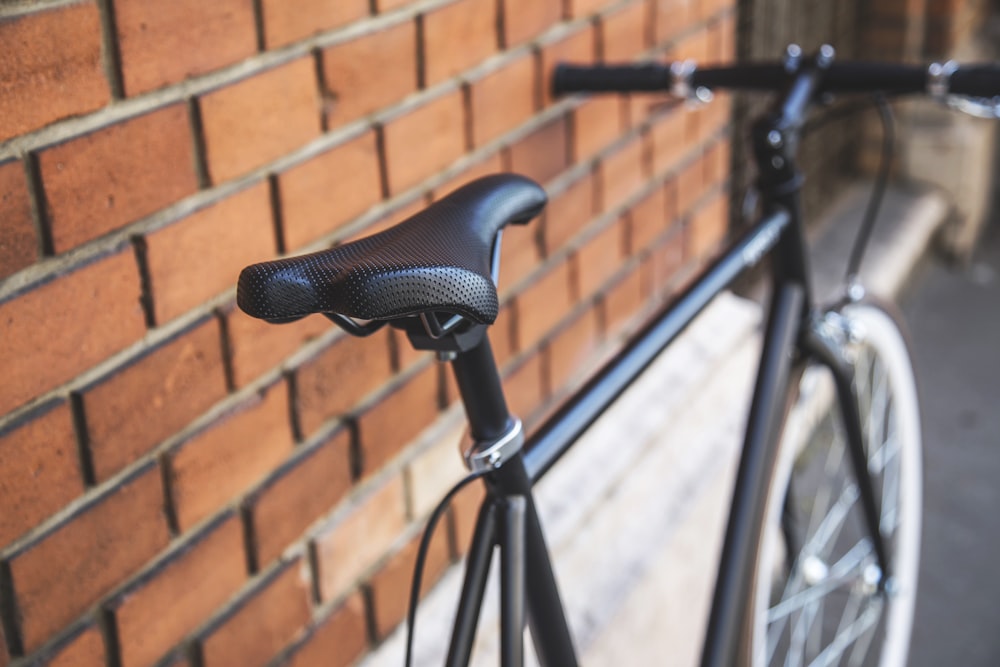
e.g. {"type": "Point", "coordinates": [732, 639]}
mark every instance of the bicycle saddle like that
{"type": "Point", "coordinates": [436, 260]}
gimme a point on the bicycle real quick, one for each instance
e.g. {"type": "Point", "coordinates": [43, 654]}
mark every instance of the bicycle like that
{"type": "Point", "coordinates": [780, 578]}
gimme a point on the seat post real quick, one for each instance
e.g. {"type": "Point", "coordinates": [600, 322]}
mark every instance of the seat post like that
{"type": "Point", "coordinates": [479, 384]}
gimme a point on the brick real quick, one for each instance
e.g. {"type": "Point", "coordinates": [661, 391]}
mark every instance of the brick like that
{"type": "Point", "coordinates": [201, 255]}
{"type": "Point", "coordinates": [577, 8]}
{"type": "Point", "coordinates": [572, 350]}
{"type": "Point", "coordinates": [693, 46]}
{"type": "Point", "coordinates": [332, 188]}
{"type": "Point", "coordinates": [575, 48]}
{"type": "Point", "coordinates": [398, 418]}
{"type": "Point", "coordinates": [623, 32]}
{"type": "Point", "coordinates": [393, 217]}
{"type": "Point", "coordinates": [63, 572]}
{"type": "Point", "coordinates": [264, 622]}
{"type": "Point", "coordinates": [492, 164]}
{"type": "Point", "coordinates": [502, 339]}
{"type": "Point", "coordinates": [543, 154]}
{"type": "Point", "coordinates": [458, 36]}
{"type": "Point", "coordinates": [596, 123]}
{"type": "Point", "coordinates": [514, 83]}
{"type": "Point", "coordinates": [708, 228]}
{"type": "Point", "coordinates": [332, 383]}
{"type": "Point", "coordinates": [599, 259]}
{"type": "Point", "coordinates": [519, 255]}
{"type": "Point", "coordinates": [388, 5]}
{"type": "Point", "coordinates": [131, 410]}
{"type": "Point", "coordinates": [352, 68]}
{"type": "Point", "coordinates": [624, 301]}
{"type": "Point", "coordinates": [524, 388]}
{"type": "Point", "coordinates": [337, 641]}
{"type": "Point", "coordinates": [464, 510]}
{"type": "Point", "coordinates": [623, 173]}
{"type": "Point", "coordinates": [257, 346]}
{"type": "Point", "coordinates": [85, 649]}
{"type": "Point", "coordinates": [51, 67]}
{"type": "Point", "coordinates": [39, 468]}
{"type": "Point", "coordinates": [651, 217]}
{"type": "Point", "coordinates": [352, 545]}
{"type": "Point", "coordinates": [523, 20]}
{"type": "Point", "coordinates": [668, 141]}
{"type": "Point", "coordinates": [690, 185]}
{"type": "Point", "coordinates": [104, 180]}
{"type": "Point", "coordinates": [18, 242]}
{"type": "Point", "coordinates": [303, 490]}
{"type": "Point", "coordinates": [424, 141]}
{"type": "Point", "coordinates": [436, 469]}
{"type": "Point", "coordinates": [287, 22]}
{"type": "Point", "coordinates": [673, 17]}
{"type": "Point", "coordinates": [391, 585]}
{"type": "Point", "coordinates": [87, 315]}
{"type": "Point", "coordinates": [668, 260]}
{"type": "Point", "coordinates": [157, 611]}
{"type": "Point", "coordinates": [164, 44]}
{"type": "Point", "coordinates": [229, 456]}
{"type": "Point", "coordinates": [569, 213]}
{"type": "Point", "coordinates": [259, 119]}
{"type": "Point", "coordinates": [543, 304]}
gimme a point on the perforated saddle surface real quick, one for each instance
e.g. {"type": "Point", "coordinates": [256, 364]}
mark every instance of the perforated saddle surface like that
{"type": "Point", "coordinates": [436, 260]}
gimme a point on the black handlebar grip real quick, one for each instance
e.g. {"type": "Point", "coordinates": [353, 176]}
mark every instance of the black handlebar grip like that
{"type": "Point", "coordinates": [976, 80]}
{"type": "Point", "coordinates": [610, 79]}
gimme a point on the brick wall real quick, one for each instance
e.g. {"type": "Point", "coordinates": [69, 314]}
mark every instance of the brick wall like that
{"type": "Point", "coordinates": [181, 484]}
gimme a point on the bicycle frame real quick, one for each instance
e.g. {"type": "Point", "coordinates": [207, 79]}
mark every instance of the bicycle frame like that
{"type": "Point", "coordinates": [508, 518]}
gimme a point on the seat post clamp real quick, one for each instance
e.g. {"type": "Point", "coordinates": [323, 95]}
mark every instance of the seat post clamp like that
{"type": "Point", "coordinates": [939, 79]}
{"type": "Point", "coordinates": [491, 454]}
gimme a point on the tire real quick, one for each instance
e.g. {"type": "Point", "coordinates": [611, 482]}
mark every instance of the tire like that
{"type": "Point", "coordinates": [817, 598]}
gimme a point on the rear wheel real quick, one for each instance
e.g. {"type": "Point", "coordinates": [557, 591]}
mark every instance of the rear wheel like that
{"type": "Point", "coordinates": [819, 596]}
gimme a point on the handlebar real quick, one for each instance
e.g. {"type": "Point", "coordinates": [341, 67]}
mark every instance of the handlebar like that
{"type": "Point", "coordinates": [846, 77]}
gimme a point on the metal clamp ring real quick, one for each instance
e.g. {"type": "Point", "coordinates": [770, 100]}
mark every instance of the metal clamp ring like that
{"type": "Point", "coordinates": [490, 455]}
{"type": "Point", "coordinates": [939, 78]}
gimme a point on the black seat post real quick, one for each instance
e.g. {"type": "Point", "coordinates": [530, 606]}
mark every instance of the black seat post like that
{"type": "Point", "coordinates": [479, 384]}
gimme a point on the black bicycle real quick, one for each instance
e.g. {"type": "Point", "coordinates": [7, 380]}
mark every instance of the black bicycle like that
{"type": "Point", "coordinates": [820, 558]}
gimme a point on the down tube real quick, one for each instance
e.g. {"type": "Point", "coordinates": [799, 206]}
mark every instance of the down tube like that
{"type": "Point", "coordinates": [736, 565]}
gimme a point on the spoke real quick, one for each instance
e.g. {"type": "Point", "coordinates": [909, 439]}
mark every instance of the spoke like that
{"type": "Point", "coordinates": [831, 655]}
{"type": "Point", "coordinates": [839, 573]}
{"type": "Point", "coordinates": [796, 647]}
{"type": "Point", "coordinates": [862, 646]}
{"type": "Point", "coordinates": [832, 522]}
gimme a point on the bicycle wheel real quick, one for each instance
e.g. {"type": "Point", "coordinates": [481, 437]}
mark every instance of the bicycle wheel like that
{"type": "Point", "coordinates": [819, 597]}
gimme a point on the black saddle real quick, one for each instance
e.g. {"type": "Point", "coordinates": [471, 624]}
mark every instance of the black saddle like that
{"type": "Point", "coordinates": [438, 260]}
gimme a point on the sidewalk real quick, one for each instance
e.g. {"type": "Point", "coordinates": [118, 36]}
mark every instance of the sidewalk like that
{"type": "Point", "coordinates": [635, 513]}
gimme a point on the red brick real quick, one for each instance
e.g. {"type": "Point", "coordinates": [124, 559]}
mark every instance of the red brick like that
{"type": "Point", "coordinates": [543, 154]}
{"type": "Point", "coordinates": [337, 641]}
{"type": "Point", "coordinates": [332, 383]}
{"type": "Point", "coordinates": [51, 67]}
{"type": "Point", "coordinates": [650, 218]}
{"type": "Point", "coordinates": [18, 243]}
{"type": "Point", "coordinates": [264, 623]}
{"type": "Point", "coordinates": [162, 44]}
{"type": "Point", "coordinates": [352, 545]}
{"type": "Point", "coordinates": [623, 173]}
{"type": "Point", "coordinates": [673, 17]}
{"type": "Point", "coordinates": [690, 185]}
{"type": "Point", "coordinates": [398, 418]}
{"type": "Point", "coordinates": [287, 22]}
{"type": "Point", "coordinates": [388, 5]}
{"type": "Point", "coordinates": [599, 259]}
{"type": "Point", "coordinates": [524, 20]}
{"type": "Point", "coordinates": [302, 491]}
{"type": "Point", "coordinates": [160, 609]}
{"type": "Point", "coordinates": [259, 119]}
{"type": "Point", "coordinates": [87, 315]}
{"type": "Point", "coordinates": [393, 217]}
{"type": "Point", "coordinates": [519, 256]}
{"type": "Point", "coordinates": [694, 46]}
{"type": "Point", "coordinates": [668, 260]}
{"type": "Point", "coordinates": [543, 304]}
{"type": "Point", "coordinates": [391, 585]}
{"type": "Point", "coordinates": [576, 48]}
{"type": "Point", "coordinates": [668, 140]}
{"type": "Point", "coordinates": [225, 459]}
{"type": "Point", "coordinates": [579, 8]}
{"type": "Point", "coordinates": [136, 407]}
{"type": "Point", "coordinates": [514, 83]}
{"type": "Point", "coordinates": [492, 164]}
{"type": "Point", "coordinates": [352, 68]}
{"type": "Point", "coordinates": [39, 469]}
{"type": "Point", "coordinates": [104, 180]}
{"type": "Point", "coordinates": [457, 36]}
{"type": "Point", "coordinates": [200, 256]}
{"type": "Point", "coordinates": [424, 141]}
{"type": "Point", "coordinates": [624, 301]}
{"type": "Point", "coordinates": [572, 350]}
{"type": "Point", "coordinates": [85, 649]}
{"type": "Point", "coordinates": [325, 192]}
{"type": "Point", "coordinates": [524, 388]}
{"type": "Point", "coordinates": [708, 227]}
{"type": "Point", "coordinates": [257, 346]}
{"type": "Point", "coordinates": [568, 213]}
{"type": "Point", "coordinates": [501, 338]}
{"type": "Point", "coordinates": [464, 510]}
{"type": "Point", "coordinates": [65, 571]}
{"type": "Point", "coordinates": [623, 32]}
{"type": "Point", "coordinates": [597, 123]}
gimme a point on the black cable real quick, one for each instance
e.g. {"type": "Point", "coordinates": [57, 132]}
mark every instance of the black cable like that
{"type": "Point", "coordinates": [878, 191]}
{"type": "Point", "coordinates": [418, 566]}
